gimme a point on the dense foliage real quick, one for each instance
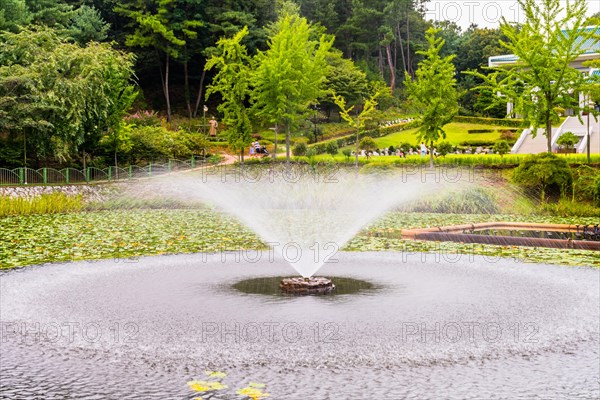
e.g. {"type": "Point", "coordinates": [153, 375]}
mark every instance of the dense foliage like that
{"type": "Point", "coordinates": [70, 70]}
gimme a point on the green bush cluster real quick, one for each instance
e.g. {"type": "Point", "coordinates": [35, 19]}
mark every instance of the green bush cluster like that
{"type": "Point", "coordinates": [149, 143]}
{"type": "Point", "coordinates": [299, 149]}
{"type": "Point", "coordinates": [544, 174]}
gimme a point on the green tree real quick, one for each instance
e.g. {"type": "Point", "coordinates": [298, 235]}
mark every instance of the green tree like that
{"type": "Point", "coordinates": [444, 148]}
{"type": "Point", "coordinates": [568, 139]}
{"type": "Point", "coordinates": [162, 25]}
{"type": "Point", "coordinates": [232, 81]}
{"type": "Point", "coordinates": [13, 14]}
{"type": "Point", "coordinates": [343, 79]}
{"type": "Point", "coordinates": [433, 92]}
{"type": "Point", "coordinates": [61, 97]}
{"type": "Point", "coordinates": [367, 144]}
{"type": "Point", "coordinates": [360, 118]}
{"type": "Point", "coordinates": [542, 82]}
{"type": "Point", "coordinates": [51, 13]}
{"type": "Point", "coordinates": [87, 25]}
{"type": "Point", "coordinates": [332, 148]}
{"type": "Point", "coordinates": [290, 75]}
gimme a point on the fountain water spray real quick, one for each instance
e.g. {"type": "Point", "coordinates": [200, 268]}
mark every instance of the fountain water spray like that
{"type": "Point", "coordinates": [306, 215]}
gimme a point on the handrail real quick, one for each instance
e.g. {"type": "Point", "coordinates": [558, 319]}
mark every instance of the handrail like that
{"type": "Point", "coordinates": [66, 176]}
{"type": "Point", "coordinates": [520, 141]}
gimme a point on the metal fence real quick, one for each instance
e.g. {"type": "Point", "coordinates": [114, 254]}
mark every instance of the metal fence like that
{"type": "Point", "coordinates": [66, 176]}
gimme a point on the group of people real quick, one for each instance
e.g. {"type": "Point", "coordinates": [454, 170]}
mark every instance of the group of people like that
{"type": "Point", "coordinates": [256, 148]}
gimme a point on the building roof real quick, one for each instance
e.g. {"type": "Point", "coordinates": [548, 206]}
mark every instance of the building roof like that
{"type": "Point", "coordinates": [590, 46]}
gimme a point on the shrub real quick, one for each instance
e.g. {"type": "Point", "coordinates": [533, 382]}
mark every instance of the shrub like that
{"type": "Point", "coordinates": [501, 147]}
{"type": "Point", "coordinates": [347, 153]}
{"type": "Point", "coordinates": [391, 150]}
{"type": "Point", "coordinates": [474, 131]}
{"type": "Point", "coordinates": [367, 144]}
{"type": "Point", "coordinates": [405, 147]}
{"type": "Point", "coordinates": [585, 181]}
{"type": "Point", "coordinates": [444, 148]}
{"type": "Point", "coordinates": [510, 135]}
{"type": "Point", "coordinates": [299, 149]}
{"type": "Point", "coordinates": [545, 173]}
{"type": "Point", "coordinates": [332, 148]}
{"type": "Point", "coordinates": [157, 143]}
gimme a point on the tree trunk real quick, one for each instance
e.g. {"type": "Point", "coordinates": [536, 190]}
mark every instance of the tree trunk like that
{"type": "Point", "coordinates": [275, 148]}
{"type": "Point", "coordinates": [408, 42]}
{"type": "Point", "coordinates": [549, 130]}
{"type": "Point", "coordinates": [380, 61]}
{"type": "Point", "coordinates": [431, 155]}
{"type": "Point", "coordinates": [167, 97]}
{"type": "Point", "coordinates": [200, 90]}
{"type": "Point", "coordinates": [164, 83]}
{"type": "Point", "coordinates": [186, 78]}
{"type": "Point", "coordinates": [401, 46]}
{"type": "Point", "coordinates": [356, 147]}
{"type": "Point", "coordinates": [392, 69]}
{"type": "Point", "coordinates": [287, 144]}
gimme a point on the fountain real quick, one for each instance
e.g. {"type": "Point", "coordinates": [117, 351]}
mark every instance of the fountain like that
{"type": "Point", "coordinates": [306, 216]}
{"type": "Point", "coordinates": [397, 325]}
{"type": "Point", "coordinates": [304, 286]}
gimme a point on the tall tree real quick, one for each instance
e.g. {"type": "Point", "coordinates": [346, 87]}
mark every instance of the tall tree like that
{"type": "Point", "coordinates": [433, 91]}
{"type": "Point", "coordinates": [161, 25]}
{"type": "Point", "coordinates": [362, 115]}
{"type": "Point", "coordinates": [58, 95]}
{"type": "Point", "coordinates": [87, 25]}
{"type": "Point", "coordinates": [232, 81]}
{"type": "Point", "coordinates": [543, 80]}
{"type": "Point", "coordinates": [290, 74]}
{"type": "Point", "coordinates": [13, 14]}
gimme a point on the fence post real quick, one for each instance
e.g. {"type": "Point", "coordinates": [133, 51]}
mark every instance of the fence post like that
{"type": "Point", "coordinates": [193, 162]}
{"type": "Point", "coordinates": [67, 176]}
{"type": "Point", "coordinates": [169, 166]}
{"type": "Point", "coordinates": [87, 174]}
{"type": "Point", "coordinates": [45, 175]}
{"type": "Point", "coordinates": [21, 176]}
{"type": "Point", "coordinates": [150, 169]}
{"type": "Point", "coordinates": [109, 173]}
{"type": "Point", "coordinates": [130, 171]}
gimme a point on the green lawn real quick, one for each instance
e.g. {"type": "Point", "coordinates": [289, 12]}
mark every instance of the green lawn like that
{"type": "Point", "coordinates": [456, 132]}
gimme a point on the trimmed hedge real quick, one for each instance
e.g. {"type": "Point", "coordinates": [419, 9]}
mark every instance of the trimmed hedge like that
{"type": "Point", "coordinates": [474, 131]}
{"type": "Point", "coordinates": [512, 122]}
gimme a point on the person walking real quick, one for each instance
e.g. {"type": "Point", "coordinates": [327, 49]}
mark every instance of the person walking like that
{"type": "Point", "coordinates": [423, 149]}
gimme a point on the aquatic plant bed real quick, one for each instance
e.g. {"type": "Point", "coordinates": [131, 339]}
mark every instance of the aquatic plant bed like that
{"type": "Point", "coordinates": [128, 234]}
{"type": "Point", "coordinates": [559, 236]}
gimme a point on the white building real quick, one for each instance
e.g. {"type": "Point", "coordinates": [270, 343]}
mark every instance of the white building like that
{"type": "Point", "coordinates": [527, 143]}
